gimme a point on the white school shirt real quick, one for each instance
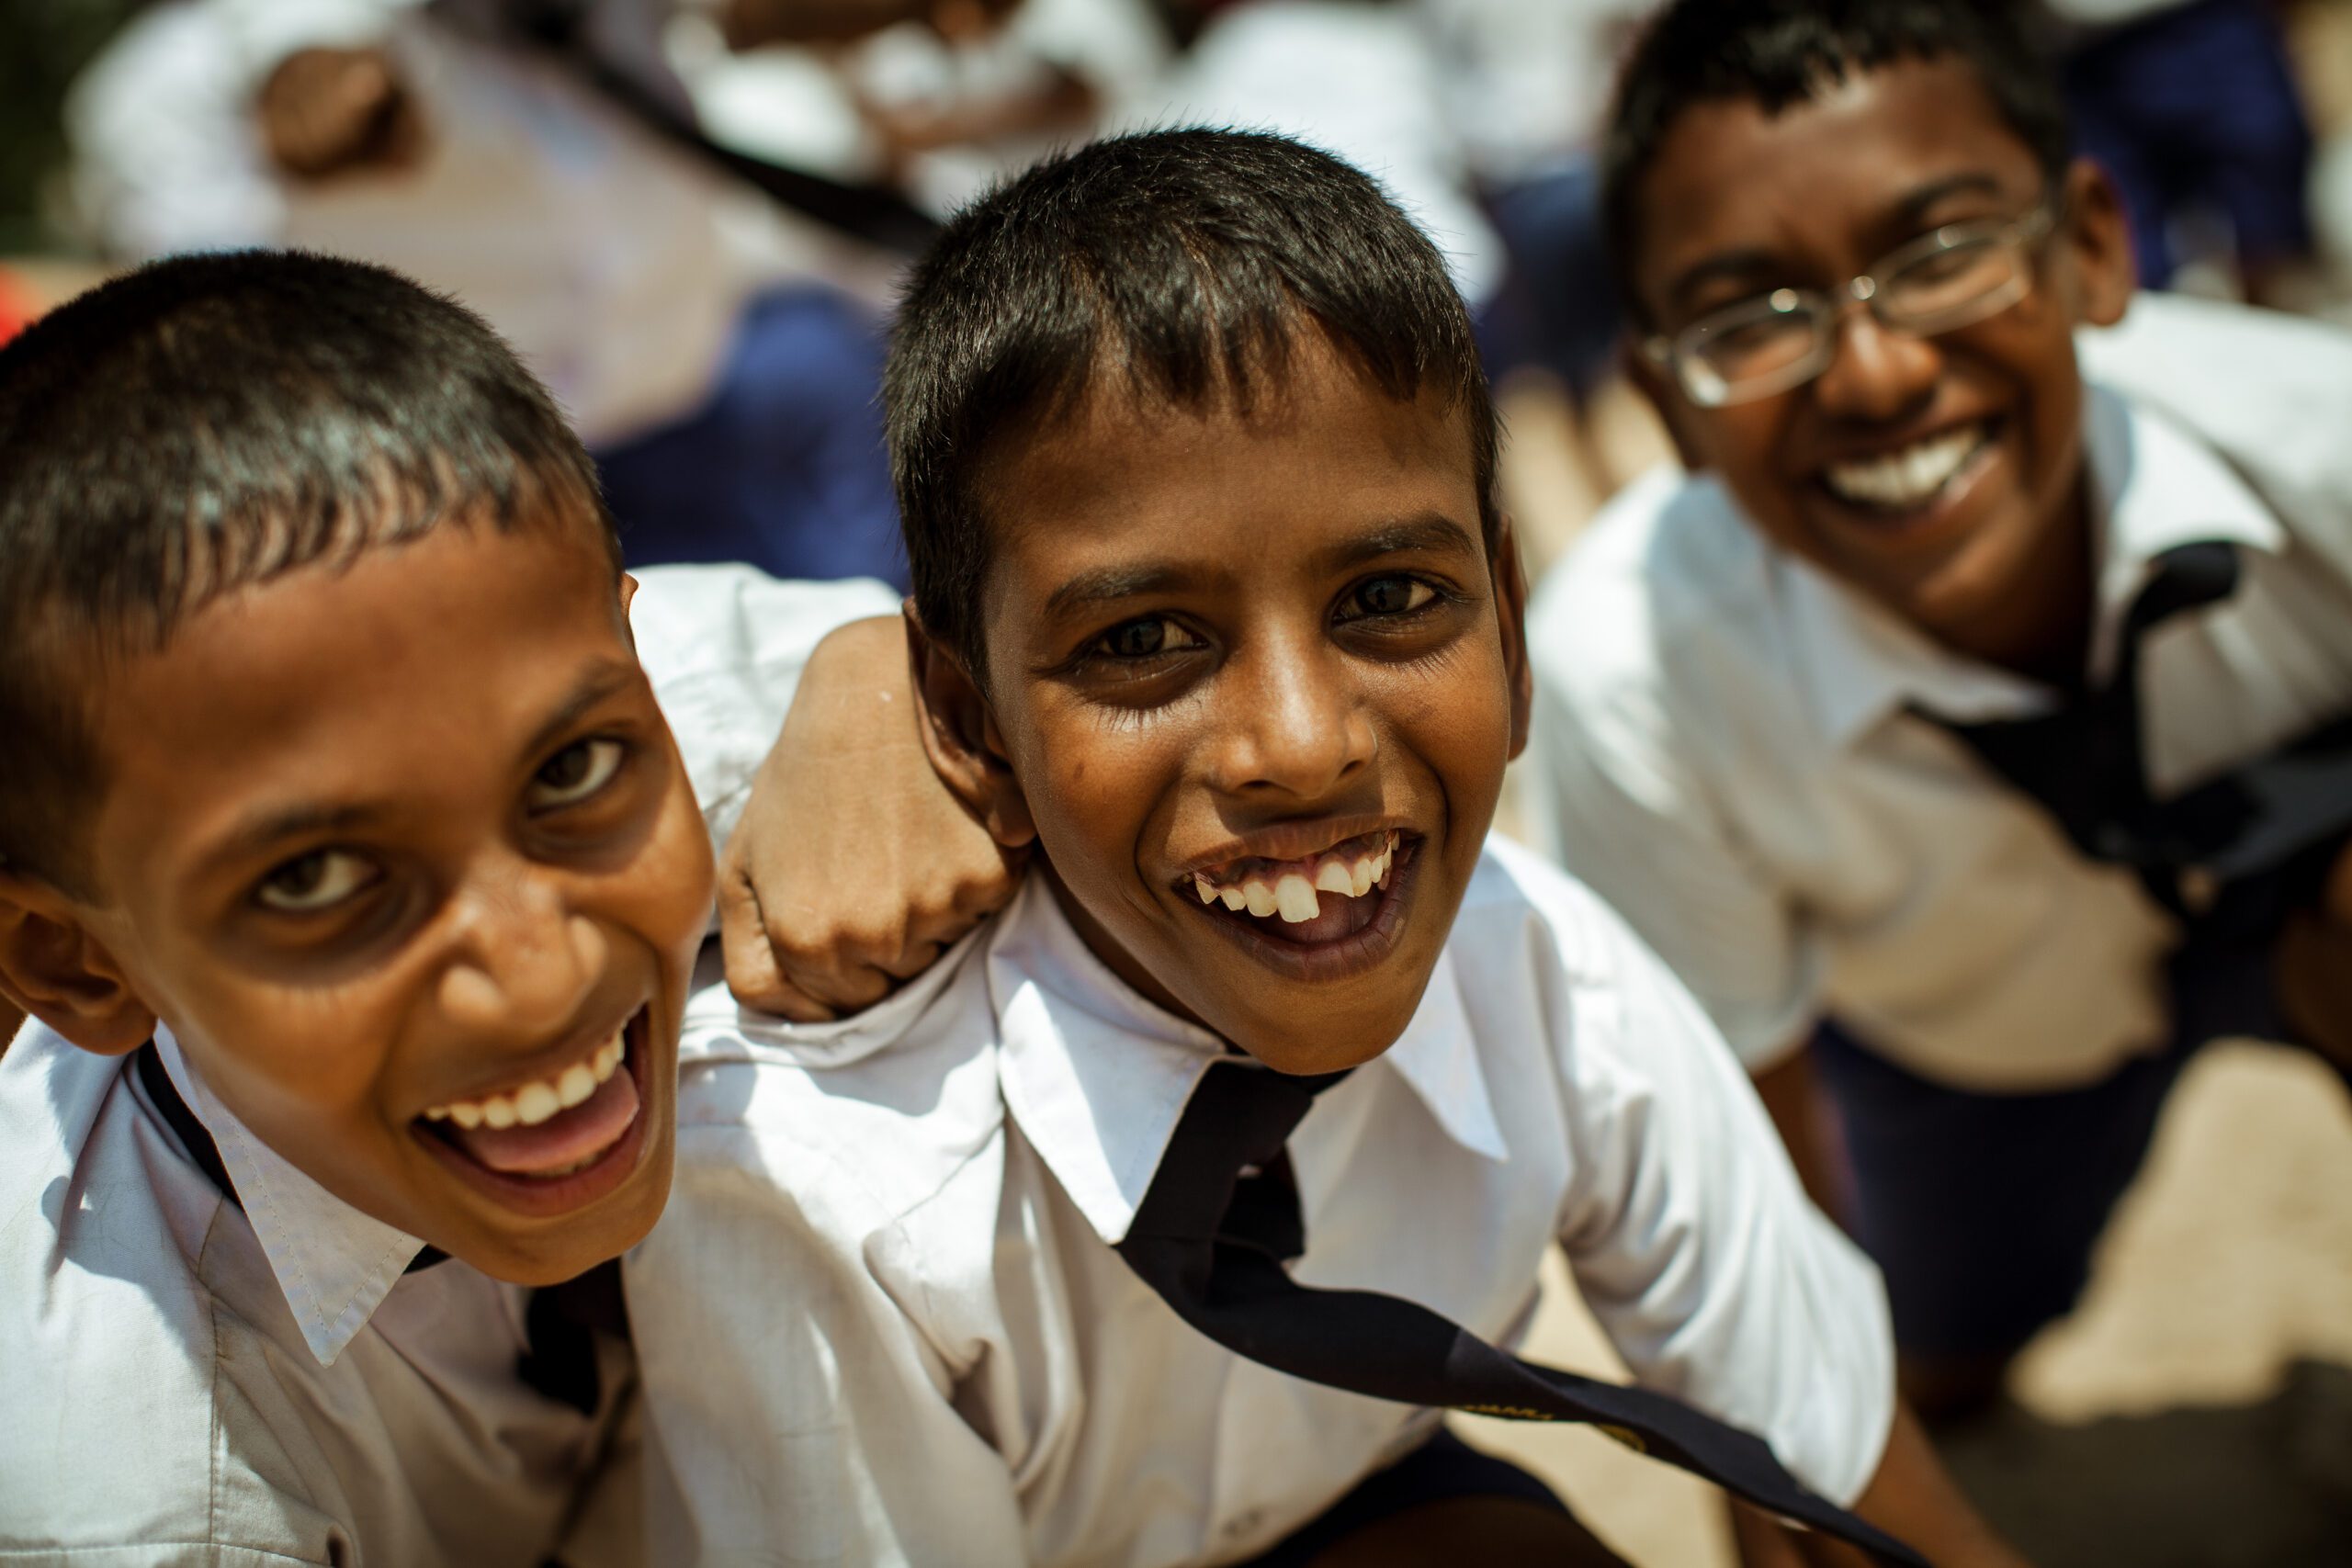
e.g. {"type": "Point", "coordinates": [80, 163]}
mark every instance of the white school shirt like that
{"type": "Point", "coordinates": [1724, 750]}
{"type": "Point", "coordinates": [187, 1382]}
{"type": "Point", "coordinates": [882, 1321]}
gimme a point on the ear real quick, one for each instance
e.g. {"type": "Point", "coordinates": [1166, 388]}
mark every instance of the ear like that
{"type": "Point", "coordinates": [2099, 242]}
{"type": "Point", "coordinates": [1658, 389]}
{"type": "Point", "coordinates": [960, 737]}
{"type": "Point", "coordinates": [1511, 611]}
{"type": "Point", "coordinates": [56, 968]}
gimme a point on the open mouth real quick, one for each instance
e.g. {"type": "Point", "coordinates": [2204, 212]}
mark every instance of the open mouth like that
{"type": "Point", "coordinates": [1321, 915]}
{"type": "Point", "coordinates": [557, 1141]}
{"type": "Point", "coordinates": [1914, 478]}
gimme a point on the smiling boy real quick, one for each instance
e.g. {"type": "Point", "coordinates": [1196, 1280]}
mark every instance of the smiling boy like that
{"type": "Point", "coordinates": [354, 882]}
{"type": "Point", "coordinates": [1775, 693]}
{"type": "Point", "coordinates": [1214, 608]}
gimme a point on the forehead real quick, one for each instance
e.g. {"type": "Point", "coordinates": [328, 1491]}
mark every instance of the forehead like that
{"type": "Point", "coordinates": [1728, 174]}
{"type": "Point", "coordinates": [1320, 450]}
{"type": "Point", "coordinates": [410, 671]}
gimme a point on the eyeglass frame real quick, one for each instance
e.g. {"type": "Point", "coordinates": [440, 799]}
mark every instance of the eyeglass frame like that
{"type": "Point", "coordinates": [1673, 351]}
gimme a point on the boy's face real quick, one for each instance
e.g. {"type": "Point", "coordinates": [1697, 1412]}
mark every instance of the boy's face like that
{"type": "Point", "coordinates": [1248, 656]}
{"type": "Point", "coordinates": [1739, 204]}
{"type": "Point", "coordinates": [408, 838]}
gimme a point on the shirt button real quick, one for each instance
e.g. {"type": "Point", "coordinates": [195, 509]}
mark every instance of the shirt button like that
{"type": "Point", "coordinates": [1242, 1523]}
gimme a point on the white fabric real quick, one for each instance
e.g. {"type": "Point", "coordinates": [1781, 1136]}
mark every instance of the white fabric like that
{"type": "Point", "coordinates": [616, 264]}
{"type": "Point", "coordinates": [165, 1406]}
{"type": "Point", "coordinates": [1526, 83]}
{"type": "Point", "coordinates": [1358, 81]}
{"type": "Point", "coordinates": [882, 1321]}
{"type": "Point", "coordinates": [269, 1382]}
{"type": "Point", "coordinates": [1722, 749]}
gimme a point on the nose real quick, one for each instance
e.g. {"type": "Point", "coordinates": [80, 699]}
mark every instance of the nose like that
{"type": "Point", "coordinates": [1294, 723]}
{"type": "Point", "coordinates": [523, 962]}
{"type": "Point", "coordinates": [1876, 374]}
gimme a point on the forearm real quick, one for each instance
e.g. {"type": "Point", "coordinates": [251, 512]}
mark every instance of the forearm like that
{"type": "Point", "coordinates": [1911, 1498]}
{"type": "Point", "coordinates": [1790, 1096]}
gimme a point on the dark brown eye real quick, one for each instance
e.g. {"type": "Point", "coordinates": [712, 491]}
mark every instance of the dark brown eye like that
{"type": "Point", "coordinates": [316, 881]}
{"type": "Point", "coordinates": [1392, 596]}
{"type": "Point", "coordinates": [574, 774]}
{"type": "Point", "coordinates": [1137, 640]}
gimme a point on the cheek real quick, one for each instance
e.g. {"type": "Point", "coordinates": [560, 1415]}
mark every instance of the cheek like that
{"type": "Point", "coordinates": [665, 893]}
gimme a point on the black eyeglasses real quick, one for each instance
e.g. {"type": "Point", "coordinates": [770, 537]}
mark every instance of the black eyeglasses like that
{"type": "Point", "coordinates": [1954, 278]}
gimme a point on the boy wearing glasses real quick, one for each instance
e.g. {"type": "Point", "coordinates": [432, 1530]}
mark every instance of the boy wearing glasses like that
{"type": "Point", "coordinates": [1928, 726]}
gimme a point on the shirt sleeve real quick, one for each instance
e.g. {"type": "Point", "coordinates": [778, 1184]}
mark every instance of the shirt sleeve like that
{"type": "Point", "coordinates": [1613, 797]}
{"type": "Point", "coordinates": [724, 647]}
{"type": "Point", "coordinates": [1690, 1238]}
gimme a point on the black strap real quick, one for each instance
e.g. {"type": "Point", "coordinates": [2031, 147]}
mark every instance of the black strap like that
{"type": "Point", "coordinates": [876, 214]}
{"type": "Point", "coordinates": [2231, 858]}
{"type": "Point", "coordinates": [1220, 1220]}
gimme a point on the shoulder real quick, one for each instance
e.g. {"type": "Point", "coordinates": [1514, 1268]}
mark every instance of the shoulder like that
{"type": "Point", "coordinates": [2271, 393]}
{"type": "Point", "coordinates": [870, 1116]}
{"type": "Point", "coordinates": [109, 1334]}
{"type": "Point", "coordinates": [1568, 931]}
{"type": "Point", "coordinates": [1666, 608]}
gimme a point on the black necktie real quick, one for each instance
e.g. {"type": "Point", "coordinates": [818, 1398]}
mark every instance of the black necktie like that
{"type": "Point", "coordinates": [2231, 857]}
{"type": "Point", "coordinates": [1222, 1217]}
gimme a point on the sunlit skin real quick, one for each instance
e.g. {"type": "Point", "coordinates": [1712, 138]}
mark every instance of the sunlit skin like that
{"type": "Point", "coordinates": [383, 836]}
{"type": "Point", "coordinates": [1739, 203]}
{"type": "Point", "coordinates": [1211, 635]}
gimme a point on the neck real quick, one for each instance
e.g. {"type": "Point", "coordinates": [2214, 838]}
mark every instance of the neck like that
{"type": "Point", "coordinates": [1099, 942]}
{"type": "Point", "coordinates": [2042, 630]}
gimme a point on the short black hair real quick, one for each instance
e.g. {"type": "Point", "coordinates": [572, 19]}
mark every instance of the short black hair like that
{"type": "Point", "coordinates": [207, 423]}
{"type": "Point", "coordinates": [1779, 53]}
{"type": "Point", "coordinates": [1186, 260]}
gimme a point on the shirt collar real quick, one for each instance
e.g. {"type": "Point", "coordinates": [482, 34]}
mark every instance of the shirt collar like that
{"type": "Point", "coordinates": [1097, 1077]}
{"type": "Point", "coordinates": [334, 1263]}
{"type": "Point", "coordinates": [2152, 487]}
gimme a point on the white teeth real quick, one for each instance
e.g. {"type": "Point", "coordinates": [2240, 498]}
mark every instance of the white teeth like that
{"type": "Point", "coordinates": [1293, 895]}
{"type": "Point", "coordinates": [578, 1083]}
{"type": "Point", "coordinates": [1906, 478]}
{"type": "Point", "coordinates": [1294, 900]}
{"type": "Point", "coordinates": [535, 1102]}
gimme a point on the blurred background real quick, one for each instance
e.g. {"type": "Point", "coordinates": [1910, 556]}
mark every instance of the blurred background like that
{"type": "Point", "coordinates": [688, 214]}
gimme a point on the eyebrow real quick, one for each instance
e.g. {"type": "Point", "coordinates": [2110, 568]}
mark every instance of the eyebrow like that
{"type": "Point", "coordinates": [258, 833]}
{"type": "Point", "coordinates": [1756, 262]}
{"type": "Point", "coordinates": [1111, 584]}
{"type": "Point", "coordinates": [1432, 531]}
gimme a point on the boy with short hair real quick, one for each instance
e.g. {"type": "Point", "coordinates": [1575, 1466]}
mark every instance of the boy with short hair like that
{"type": "Point", "coordinates": [1907, 726]}
{"type": "Point", "coordinates": [1214, 607]}
{"type": "Point", "coordinates": [354, 879]}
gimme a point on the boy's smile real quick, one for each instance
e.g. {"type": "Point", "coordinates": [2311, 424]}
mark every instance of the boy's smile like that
{"type": "Point", "coordinates": [1941, 474]}
{"type": "Point", "coordinates": [404, 853]}
{"type": "Point", "coordinates": [1252, 681]}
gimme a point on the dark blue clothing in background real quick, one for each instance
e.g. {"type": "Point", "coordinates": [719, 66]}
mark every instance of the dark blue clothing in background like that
{"type": "Point", "coordinates": [783, 466]}
{"type": "Point", "coordinates": [2196, 108]}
